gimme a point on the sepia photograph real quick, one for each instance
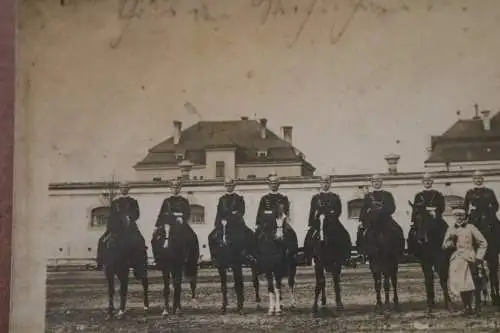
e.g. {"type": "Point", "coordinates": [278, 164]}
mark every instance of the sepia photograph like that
{"type": "Point", "coordinates": [257, 166]}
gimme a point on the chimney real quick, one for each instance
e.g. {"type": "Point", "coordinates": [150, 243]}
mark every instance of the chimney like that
{"type": "Point", "coordinates": [486, 120]}
{"type": "Point", "coordinates": [185, 167]}
{"type": "Point", "coordinates": [177, 131]}
{"type": "Point", "coordinates": [476, 112]}
{"type": "Point", "coordinates": [392, 162]}
{"type": "Point", "coordinates": [286, 131]}
{"type": "Point", "coordinates": [263, 128]}
{"type": "Point", "coordinates": [429, 148]}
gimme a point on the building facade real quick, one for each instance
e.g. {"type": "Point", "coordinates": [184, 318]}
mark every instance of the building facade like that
{"type": "Point", "coordinates": [242, 149]}
{"type": "Point", "coordinates": [207, 152]}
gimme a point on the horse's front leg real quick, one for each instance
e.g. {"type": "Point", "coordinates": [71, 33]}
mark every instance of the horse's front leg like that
{"type": "Point", "coordinates": [272, 292]}
{"type": "Point", "coordinates": [256, 284]}
{"type": "Point", "coordinates": [111, 292]}
{"type": "Point", "coordinates": [377, 279]}
{"type": "Point", "coordinates": [166, 290]}
{"type": "Point", "coordinates": [394, 280]}
{"type": "Point", "coordinates": [319, 286]}
{"type": "Point", "coordinates": [337, 270]}
{"type": "Point", "coordinates": [238, 287]}
{"type": "Point", "coordinates": [123, 277]}
{"type": "Point", "coordinates": [493, 277]}
{"type": "Point", "coordinates": [177, 276]}
{"type": "Point", "coordinates": [387, 289]}
{"type": "Point", "coordinates": [443, 273]}
{"type": "Point", "coordinates": [278, 277]}
{"type": "Point", "coordinates": [426, 265]}
{"type": "Point", "coordinates": [291, 283]}
{"type": "Point", "coordinates": [223, 287]}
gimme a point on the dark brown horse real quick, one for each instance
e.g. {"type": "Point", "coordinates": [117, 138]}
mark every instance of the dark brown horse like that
{"type": "Point", "coordinates": [179, 252]}
{"type": "Point", "coordinates": [328, 246]}
{"type": "Point", "coordinates": [425, 241]}
{"type": "Point", "coordinates": [277, 248]}
{"type": "Point", "coordinates": [124, 249]}
{"type": "Point", "coordinates": [489, 226]}
{"type": "Point", "coordinates": [383, 243]}
{"type": "Point", "coordinates": [231, 245]}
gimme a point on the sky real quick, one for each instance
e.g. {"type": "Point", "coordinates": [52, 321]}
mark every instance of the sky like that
{"type": "Point", "coordinates": [102, 88]}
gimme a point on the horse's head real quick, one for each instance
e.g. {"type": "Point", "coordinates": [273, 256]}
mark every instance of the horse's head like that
{"type": "Point", "coordinates": [280, 227]}
{"type": "Point", "coordinates": [422, 219]}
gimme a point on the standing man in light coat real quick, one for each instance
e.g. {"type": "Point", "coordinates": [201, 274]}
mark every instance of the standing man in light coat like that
{"type": "Point", "coordinates": [465, 261]}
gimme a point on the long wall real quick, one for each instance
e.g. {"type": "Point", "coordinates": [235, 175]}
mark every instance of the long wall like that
{"type": "Point", "coordinates": [71, 205]}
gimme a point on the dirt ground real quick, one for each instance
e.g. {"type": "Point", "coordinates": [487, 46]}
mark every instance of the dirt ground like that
{"type": "Point", "coordinates": [76, 302]}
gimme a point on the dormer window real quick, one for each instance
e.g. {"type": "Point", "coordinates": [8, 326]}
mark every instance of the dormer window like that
{"type": "Point", "coordinates": [179, 156]}
{"type": "Point", "coordinates": [262, 153]}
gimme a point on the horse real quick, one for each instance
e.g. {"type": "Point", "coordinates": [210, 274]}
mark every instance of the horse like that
{"type": "Point", "coordinates": [178, 250]}
{"type": "Point", "coordinates": [228, 246]}
{"type": "Point", "coordinates": [383, 243]}
{"type": "Point", "coordinates": [123, 249]}
{"type": "Point", "coordinates": [328, 246]}
{"type": "Point", "coordinates": [425, 241]}
{"type": "Point", "coordinates": [489, 227]}
{"type": "Point", "coordinates": [277, 247]}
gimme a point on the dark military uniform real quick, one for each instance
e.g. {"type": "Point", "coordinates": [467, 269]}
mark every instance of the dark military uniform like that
{"type": "Point", "coordinates": [172, 207]}
{"type": "Point", "coordinates": [376, 212]}
{"type": "Point", "coordinates": [231, 208]}
{"type": "Point", "coordinates": [124, 205]}
{"type": "Point", "coordinates": [329, 205]}
{"type": "Point", "coordinates": [485, 201]}
{"type": "Point", "coordinates": [326, 203]}
{"type": "Point", "coordinates": [430, 198]}
{"type": "Point", "coordinates": [268, 208]}
{"type": "Point", "coordinates": [377, 205]}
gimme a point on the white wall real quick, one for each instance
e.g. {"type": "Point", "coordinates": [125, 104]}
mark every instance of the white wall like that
{"type": "Point", "coordinates": [70, 209]}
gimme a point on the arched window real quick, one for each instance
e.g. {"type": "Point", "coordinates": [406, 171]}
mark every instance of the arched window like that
{"type": "Point", "coordinates": [197, 214]}
{"type": "Point", "coordinates": [452, 202]}
{"type": "Point", "coordinates": [354, 208]}
{"type": "Point", "coordinates": [99, 216]}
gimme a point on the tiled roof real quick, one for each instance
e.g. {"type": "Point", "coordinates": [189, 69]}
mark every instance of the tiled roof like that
{"type": "Point", "coordinates": [467, 141]}
{"type": "Point", "coordinates": [242, 135]}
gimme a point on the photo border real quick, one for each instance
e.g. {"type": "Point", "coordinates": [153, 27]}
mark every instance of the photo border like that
{"type": "Point", "coordinates": [7, 106]}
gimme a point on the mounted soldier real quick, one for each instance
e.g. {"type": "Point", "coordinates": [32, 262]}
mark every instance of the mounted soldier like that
{"type": "Point", "coordinates": [325, 209]}
{"type": "Point", "coordinates": [481, 207]}
{"type": "Point", "coordinates": [425, 239]}
{"type": "Point", "coordinates": [377, 210]}
{"type": "Point", "coordinates": [433, 202]}
{"type": "Point", "coordinates": [327, 241]}
{"type": "Point", "coordinates": [122, 206]}
{"type": "Point", "coordinates": [481, 202]}
{"type": "Point", "coordinates": [276, 243]}
{"type": "Point", "coordinates": [175, 246]}
{"type": "Point", "coordinates": [269, 203]}
{"type": "Point", "coordinates": [175, 209]}
{"type": "Point", "coordinates": [230, 215]}
{"type": "Point", "coordinates": [431, 199]}
{"type": "Point", "coordinates": [383, 240]}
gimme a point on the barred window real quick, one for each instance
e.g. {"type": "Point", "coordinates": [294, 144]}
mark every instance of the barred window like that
{"type": "Point", "coordinates": [197, 214]}
{"type": "Point", "coordinates": [99, 216]}
{"type": "Point", "coordinates": [354, 208]}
